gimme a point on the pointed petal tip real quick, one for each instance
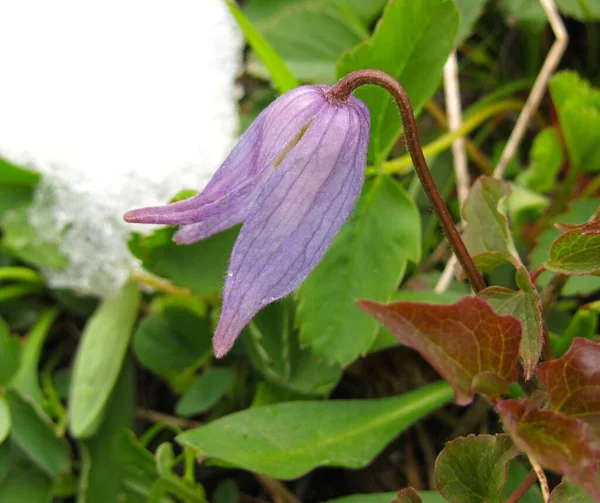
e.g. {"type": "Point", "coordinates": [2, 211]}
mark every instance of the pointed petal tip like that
{"type": "Point", "coordinates": [220, 346]}
{"type": "Point", "coordinates": [225, 336]}
{"type": "Point", "coordinates": [220, 353]}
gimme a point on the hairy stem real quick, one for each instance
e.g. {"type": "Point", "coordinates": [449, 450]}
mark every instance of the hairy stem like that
{"type": "Point", "coordinates": [340, 94]}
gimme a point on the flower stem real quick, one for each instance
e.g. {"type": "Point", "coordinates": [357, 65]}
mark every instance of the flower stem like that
{"type": "Point", "coordinates": [340, 93]}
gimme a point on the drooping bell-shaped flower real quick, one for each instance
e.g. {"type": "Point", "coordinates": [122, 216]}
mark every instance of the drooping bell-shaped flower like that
{"type": "Point", "coordinates": [293, 180]}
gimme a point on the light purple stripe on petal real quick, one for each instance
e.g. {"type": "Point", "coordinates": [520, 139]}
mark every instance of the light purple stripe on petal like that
{"type": "Point", "coordinates": [236, 179]}
{"type": "Point", "coordinates": [228, 215]}
{"type": "Point", "coordinates": [295, 217]}
{"type": "Point", "coordinates": [192, 233]}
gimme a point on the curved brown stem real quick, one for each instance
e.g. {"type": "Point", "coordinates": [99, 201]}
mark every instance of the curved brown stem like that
{"type": "Point", "coordinates": [340, 93]}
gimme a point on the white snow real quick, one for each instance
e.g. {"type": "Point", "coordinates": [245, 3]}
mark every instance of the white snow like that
{"type": "Point", "coordinates": [120, 104]}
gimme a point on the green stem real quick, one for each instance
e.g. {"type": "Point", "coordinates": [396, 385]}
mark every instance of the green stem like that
{"type": "Point", "coordinates": [20, 274]}
{"type": "Point", "coordinates": [12, 292]}
{"type": "Point", "coordinates": [56, 407]}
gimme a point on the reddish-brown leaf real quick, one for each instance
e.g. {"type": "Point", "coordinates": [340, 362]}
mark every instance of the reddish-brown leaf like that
{"type": "Point", "coordinates": [573, 383]}
{"type": "Point", "coordinates": [558, 442]}
{"type": "Point", "coordinates": [461, 340]}
{"type": "Point", "coordinates": [408, 495]}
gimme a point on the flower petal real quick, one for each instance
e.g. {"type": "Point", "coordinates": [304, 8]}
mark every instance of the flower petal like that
{"type": "Point", "coordinates": [295, 217]}
{"type": "Point", "coordinates": [234, 182]}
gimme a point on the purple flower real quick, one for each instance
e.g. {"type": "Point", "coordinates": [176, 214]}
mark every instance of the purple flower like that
{"type": "Point", "coordinates": [293, 180]}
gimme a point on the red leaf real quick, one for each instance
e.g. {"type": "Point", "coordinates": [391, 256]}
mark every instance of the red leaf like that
{"type": "Point", "coordinates": [573, 383]}
{"type": "Point", "coordinates": [461, 340]}
{"type": "Point", "coordinates": [557, 442]}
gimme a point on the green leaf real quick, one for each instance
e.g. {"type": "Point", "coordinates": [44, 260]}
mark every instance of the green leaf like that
{"type": "Point", "coordinates": [226, 492]}
{"type": "Point", "coordinates": [26, 380]}
{"type": "Point", "coordinates": [149, 478]}
{"type": "Point", "coordinates": [5, 460]}
{"type": "Point", "coordinates": [270, 394]}
{"type": "Point", "coordinates": [525, 10]}
{"type": "Point", "coordinates": [576, 251]}
{"type": "Point", "coordinates": [578, 108]}
{"type": "Point", "coordinates": [282, 77]}
{"type": "Point", "coordinates": [525, 205]}
{"type": "Point", "coordinates": [584, 323]}
{"type": "Point", "coordinates": [556, 441]}
{"type": "Point", "coordinates": [99, 360]}
{"type": "Point", "coordinates": [310, 35]}
{"type": "Point", "coordinates": [25, 483]}
{"type": "Point", "coordinates": [170, 483]}
{"type": "Point", "coordinates": [11, 174]}
{"type": "Point", "coordinates": [488, 236]}
{"type": "Point", "coordinates": [525, 305]}
{"type": "Point", "coordinates": [426, 496]}
{"type": "Point", "coordinates": [584, 10]}
{"type": "Point", "coordinates": [546, 160]}
{"type": "Point", "coordinates": [366, 260]}
{"type": "Point", "coordinates": [473, 469]}
{"type": "Point", "coordinates": [13, 197]}
{"type": "Point", "coordinates": [10, 354]}
{"type": "Point", "coordinates": [34, 433]}
{"type": "Point", "coordinates": [101, 477]}
{"type": "Point", "coordinates": [579, 211]}
{"type": "Point", "coordinates": [5, 419]}
{"type": "Point", "coordinates": [411, 43]}
{"type": "Point", "coordinates": [172, 340]}
{"type": "Point", "coordinates": [261, 12]}
{"type": "Point", "coordinates": [288, 440]}
{"type": "Point", "coordinates": [201, 266]}
{"type": "Point", "coordinates": [271, 342]}
{"type": "Point", "coordinates": [469, 11]}
{"type": "Point", "coordinates": [205, 391]}
{"type": "Point", "coordinates": [488, 348]}
{"type": "Point", "coordinates": [567, 492]}
{"type": "Point", "coordinates": [131, 454]}
{"type": "Point", "coordinates": [80, 305]}
{"type": "Point", "coordinates": [24, 241]}
{"type": "Point", "coordinates": [139, 466]}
